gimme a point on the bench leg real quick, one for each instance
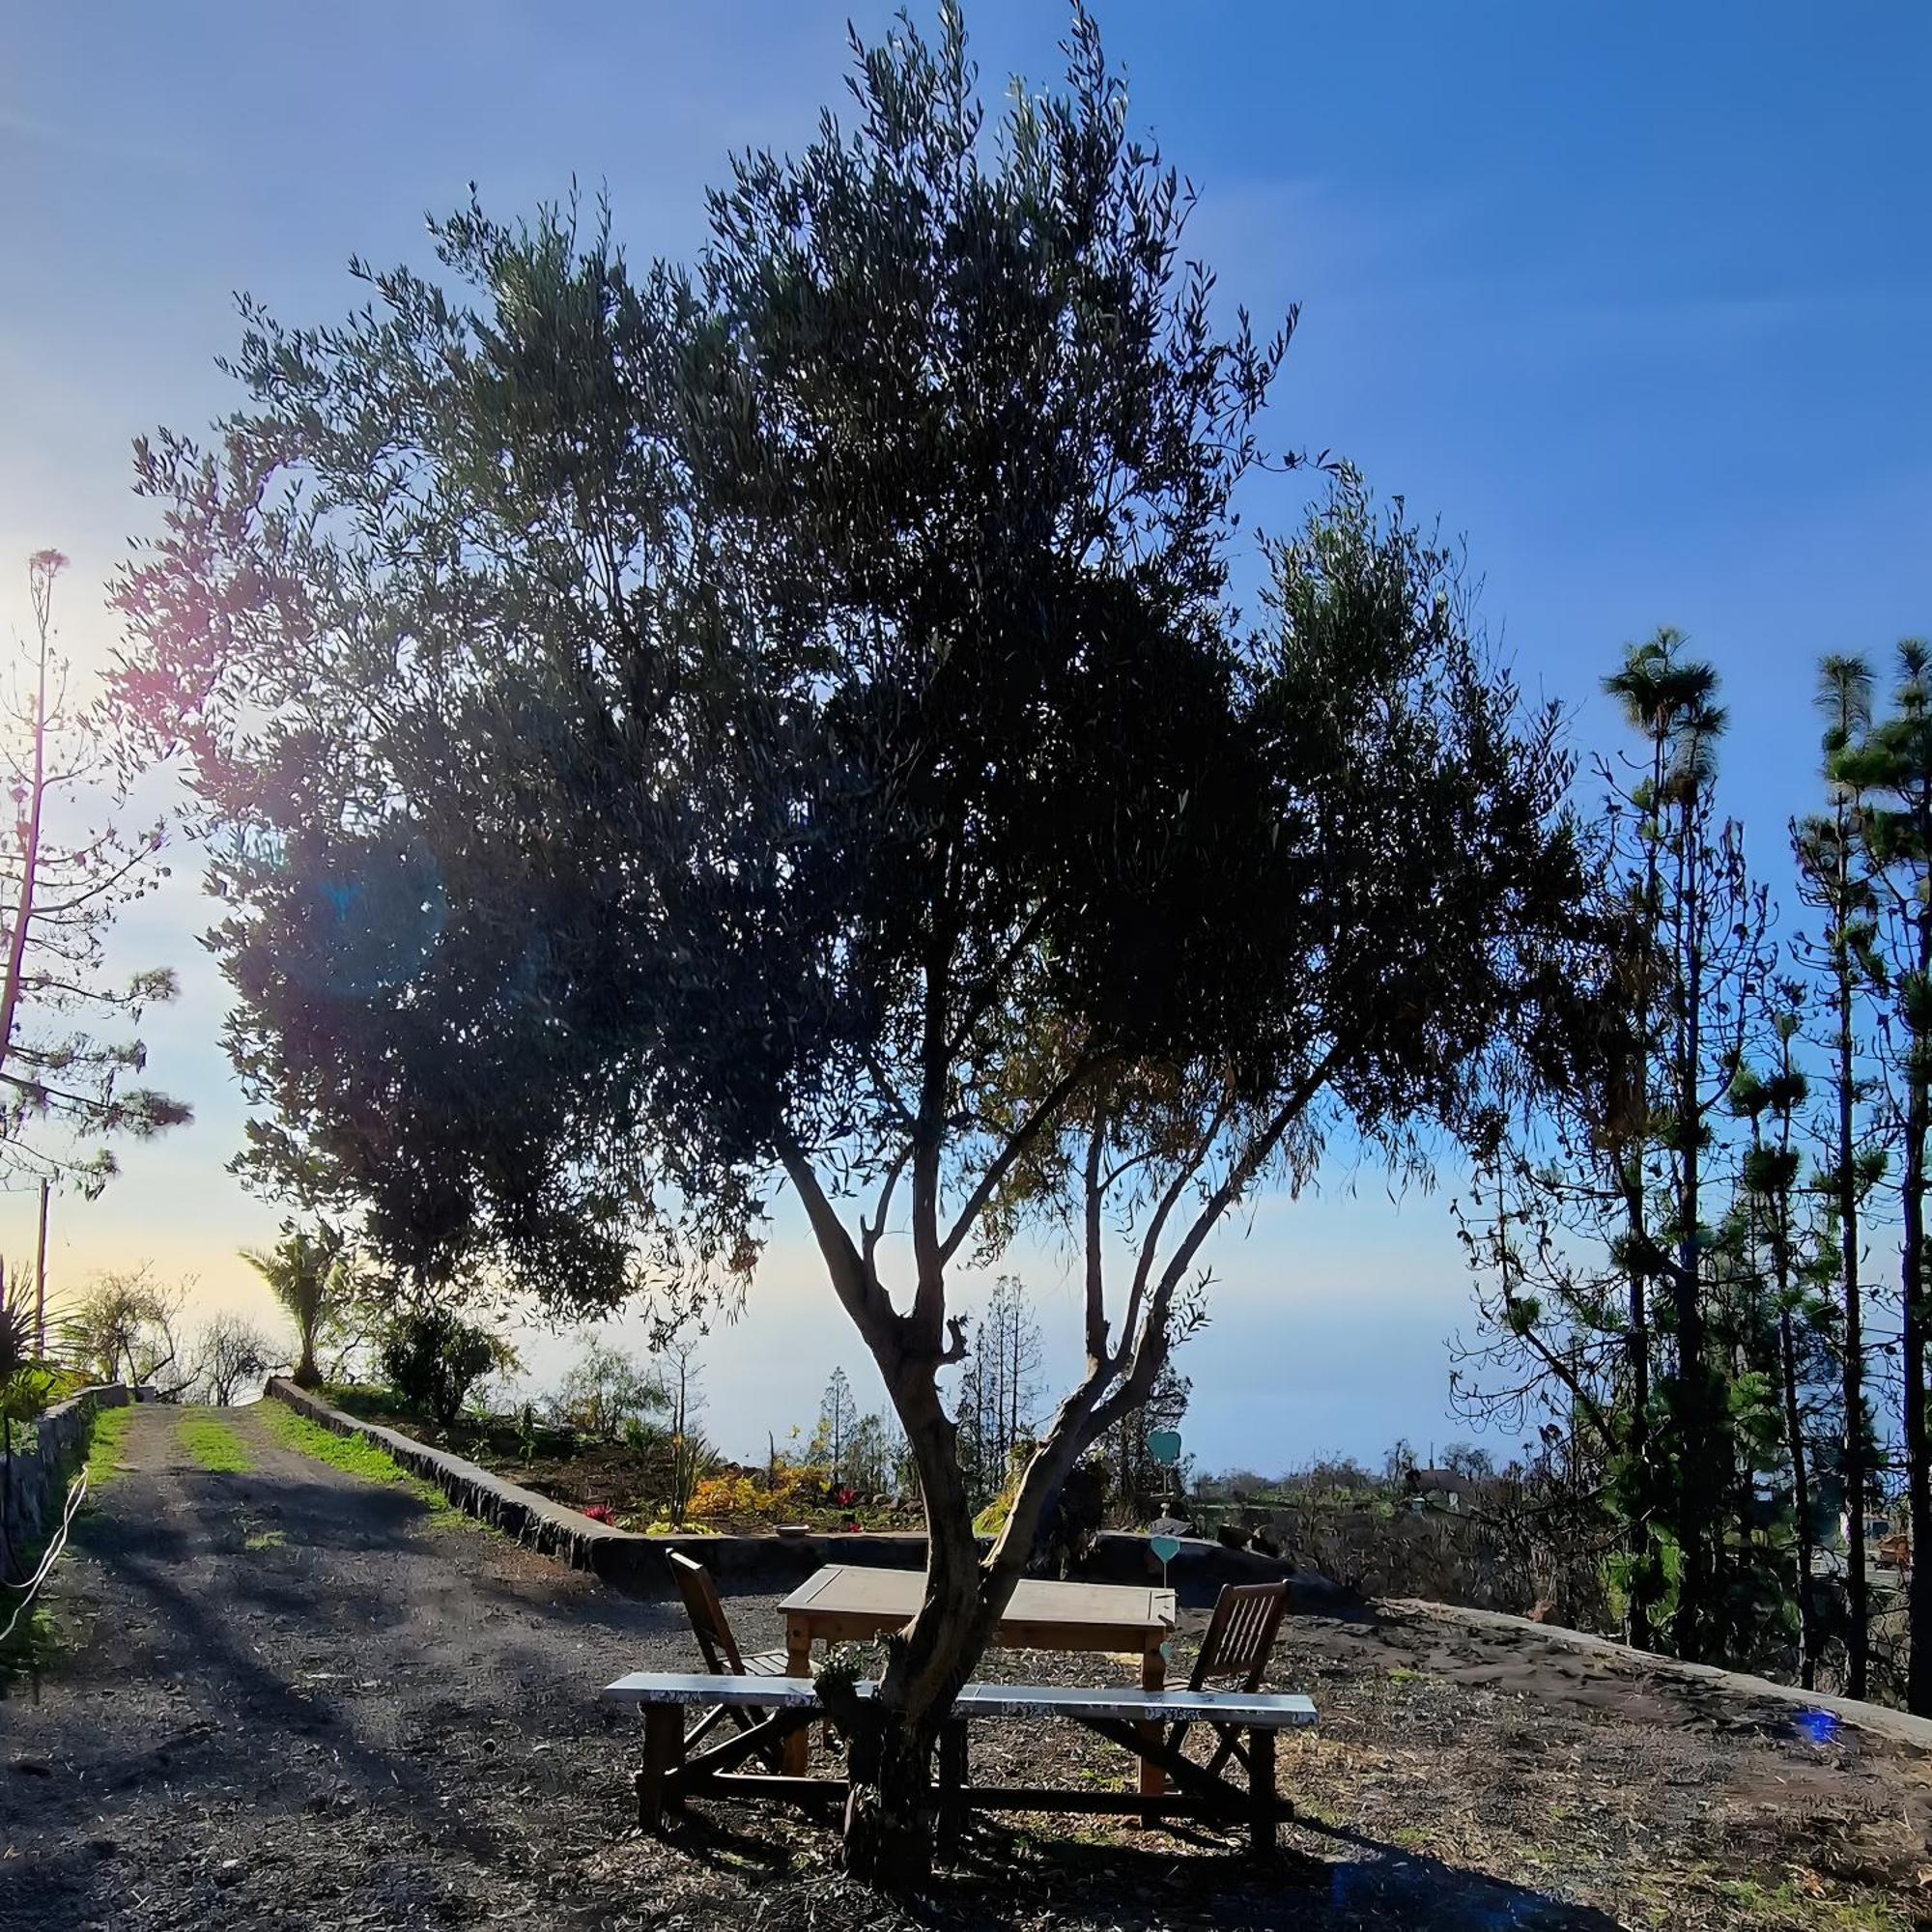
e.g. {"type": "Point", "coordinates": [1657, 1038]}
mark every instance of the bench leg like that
{"type": "Point", "coordinates": [951, 1786]}
{"type": "Point", "coordinates": [663, 1748]}
{"type": "Point", "coordinates": [1260, 1791]}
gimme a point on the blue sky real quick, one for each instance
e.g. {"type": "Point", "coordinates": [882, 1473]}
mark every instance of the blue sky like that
{"type": "Point", "coordinates": [1636, 296]}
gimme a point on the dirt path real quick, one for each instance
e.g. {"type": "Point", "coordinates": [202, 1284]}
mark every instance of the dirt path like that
{"type": "Point", "coordinates": [301, 1698]}
{"type": "Point", "coordinates": [290, 1698]}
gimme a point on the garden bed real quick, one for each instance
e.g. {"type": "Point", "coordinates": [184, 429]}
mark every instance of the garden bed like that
{"type": "Point", "coordinates": [625, 1484]}
{"type": "Point", "coordinates": [758, 1558]}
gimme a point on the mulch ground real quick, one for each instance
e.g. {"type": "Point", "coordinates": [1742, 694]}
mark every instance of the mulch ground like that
{"type": "Point", "coordinates": [287, 1697]}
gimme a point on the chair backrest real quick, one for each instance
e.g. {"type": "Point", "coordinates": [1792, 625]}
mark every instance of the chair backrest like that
{"type": "Point", "coordinates": [1241, 1636]}
{"type": "Point", "coordinates": [707, 1617]}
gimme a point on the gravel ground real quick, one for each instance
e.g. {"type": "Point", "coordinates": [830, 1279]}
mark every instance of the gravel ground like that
{"type": "Point", "coordinates": [288, 1698]}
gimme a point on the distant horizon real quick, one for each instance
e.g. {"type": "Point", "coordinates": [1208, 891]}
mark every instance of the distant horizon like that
{"type": "Point", "coordinates": [1654, 343]}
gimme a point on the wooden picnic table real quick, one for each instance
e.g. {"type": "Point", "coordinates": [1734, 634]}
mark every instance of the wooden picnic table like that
{"type": "Point", "coordinates": [774, 1709]}
{"type": "Point", "coordinates": [844, 1603]}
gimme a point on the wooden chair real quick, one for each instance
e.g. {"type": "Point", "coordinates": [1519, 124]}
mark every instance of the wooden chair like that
{"type": "Point", "coordinates": [1235, 1654]}
{"type": "Point", "coordinates": [723, 1657]}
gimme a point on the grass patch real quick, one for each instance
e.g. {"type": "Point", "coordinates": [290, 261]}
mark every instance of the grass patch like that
{"type": "Point", "coordinates": [37, 1638]}
{"type": "Point", "coordinates": [33, 1646]}
{"type": "Point", "coordinates": [1790, 1905]}
{"type": "Point", "coordinates": [368, 1402]}
{"type": "Point", "coordinates": [103, 1445]}
{"type": "Point", "coordinates": [263, 1538]}
{"type": "Point", "coordinates": [213, 1445]}
{"type": "Point", "coordinates": [351, 1454]}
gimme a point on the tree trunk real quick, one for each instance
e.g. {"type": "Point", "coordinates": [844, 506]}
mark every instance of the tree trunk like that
{"type": "Point", "coordinates": [1640, 1533]}
{"type": "Point", "coordinates": [1852, 1468]}
{"type": "Point", "coordinates": [1911, 1340]}
{"type": "Point", "coordinates": [1801, 1504]}
{"type": "Point", "coordinates": [1917, 1472]}
{"type": "Point", "coordinates": [891, 1738]}
{"type": "Point", "coordinates": [1699, 1473]}
{"type": "Point", "coordinates": [30, 859]}
{"type": "Point", "coordinates": [888, 1830]}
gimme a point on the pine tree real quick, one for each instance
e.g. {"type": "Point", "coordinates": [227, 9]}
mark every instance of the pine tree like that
{"type": "Point", "coordinates": [1778, 1307]}
{"type": "Point", "coordinates": [997, 1410]}
{"type": "Point", "coordinates": [1834, 877]}
{"type": "Point", "coordinates": [1701, 929]}
{"type": "Point", "coordinates": [838, 1424]}
{"type": "Point", "coordinates": [66, 1085]}
{"type": "Point", "coordinates": [1891, 773]}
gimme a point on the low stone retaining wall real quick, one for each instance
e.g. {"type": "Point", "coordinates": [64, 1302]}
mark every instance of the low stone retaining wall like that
{"type": "Point", "coordinates": [635, 1564]}
{"type": "Point", "coordinates": [34, 1496]}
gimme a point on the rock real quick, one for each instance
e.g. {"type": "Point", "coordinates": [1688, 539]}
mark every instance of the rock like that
{"type": "Point", "coordinates": [31, 1767]}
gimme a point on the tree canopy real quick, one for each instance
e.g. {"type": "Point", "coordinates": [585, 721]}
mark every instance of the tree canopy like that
{"type": "Point", "coordinates": [783, 720]}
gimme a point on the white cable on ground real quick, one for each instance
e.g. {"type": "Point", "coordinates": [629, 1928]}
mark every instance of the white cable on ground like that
{"type": "Point", "coordinates": [77, 1495]}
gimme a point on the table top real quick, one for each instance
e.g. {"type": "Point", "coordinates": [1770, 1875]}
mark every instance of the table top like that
{"type": "Point", "coordinates": [893, 1597]}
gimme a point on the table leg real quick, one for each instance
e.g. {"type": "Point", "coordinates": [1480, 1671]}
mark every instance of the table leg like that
{"type": "Point", "coordinates": [1260, 1791]}
{"type": "Point", "coordinates": [798, 1663]}
{"type": "Point", "coordinates": [1154, 1780]}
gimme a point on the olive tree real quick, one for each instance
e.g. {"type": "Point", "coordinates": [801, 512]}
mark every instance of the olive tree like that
{"type": "Point", "coordinates": [783, 724]}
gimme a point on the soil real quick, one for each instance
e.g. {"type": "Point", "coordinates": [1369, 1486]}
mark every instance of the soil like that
{"type": "Point", "coordinates": [289, 1698]}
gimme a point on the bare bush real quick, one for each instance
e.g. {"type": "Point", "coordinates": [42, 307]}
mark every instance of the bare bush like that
{"type": "Point", "coordinates": [126, 1328]}
{"type": "Point", "coordinates": [229, 1354]}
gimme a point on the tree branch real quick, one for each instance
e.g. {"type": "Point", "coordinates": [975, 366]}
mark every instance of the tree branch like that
{"type": "Point", "coordinates": [1096, 1303]}
{"type": "Point", "coordinates": [1003, 1163]}
{"type": "Point", "coordinates": [858, 1289]}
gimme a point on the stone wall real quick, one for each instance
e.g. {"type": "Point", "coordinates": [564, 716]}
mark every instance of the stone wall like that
{"type": "Point", "coordinates": [635, 1564]}
{"type": "Point", "coordinates": [33, 1501]}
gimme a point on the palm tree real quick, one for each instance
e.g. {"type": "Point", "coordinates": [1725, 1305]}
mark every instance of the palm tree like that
{"type": "Point", "coordinates": [310, 1275]}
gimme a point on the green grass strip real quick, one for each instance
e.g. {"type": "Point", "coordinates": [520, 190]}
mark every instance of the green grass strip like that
{"type": "Point", "coordinates": [213, 1445]}
{"type": "Point", "coordinates": [352, 1454]}
{"type": "Point", "coordinates": [103, 1445]}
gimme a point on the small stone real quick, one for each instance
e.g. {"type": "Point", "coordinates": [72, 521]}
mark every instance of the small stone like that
{"type": "Point", "coordinates": [227, 1871]}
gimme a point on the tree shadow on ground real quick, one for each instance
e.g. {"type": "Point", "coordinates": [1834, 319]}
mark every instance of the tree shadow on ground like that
{"type": "Point", "coordinates": [1174, 1877]}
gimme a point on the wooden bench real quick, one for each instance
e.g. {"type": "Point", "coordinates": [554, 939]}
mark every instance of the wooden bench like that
{"type": "Point", "coordinates": [1134, 1719]}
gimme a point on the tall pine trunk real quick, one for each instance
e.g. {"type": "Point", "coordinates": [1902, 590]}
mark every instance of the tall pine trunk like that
{"type": "Point", "coordinates": [1801, 1504]}
{"type": "Point", "coordinates": [1912, 1286]}
{"type": "Point", "coordinates": [1917, 1473]}
{"type": "Point", "coordinates": [1639, 1534]}
{"type": "Point", "coordinates": [1852, 1466]}
{"type": "Point", "coordinates": [1699, 1477]}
